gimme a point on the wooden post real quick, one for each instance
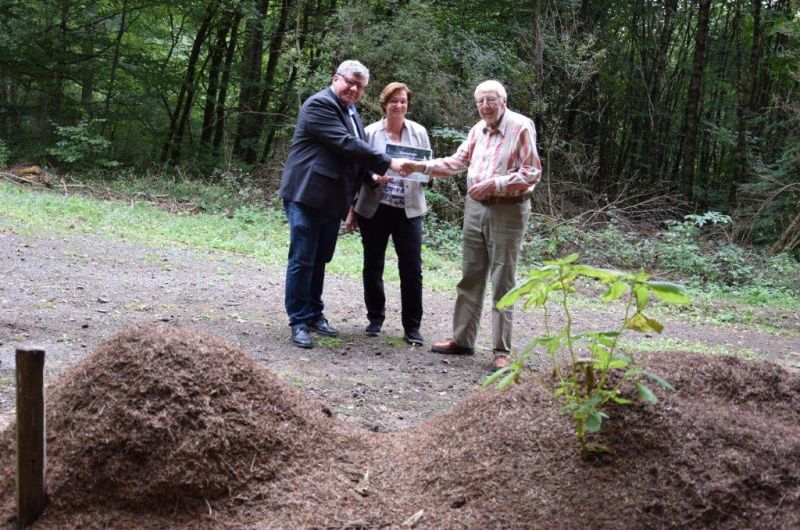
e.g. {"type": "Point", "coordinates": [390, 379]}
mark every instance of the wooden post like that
{"type": "Point", "coordinates": [31, 450]}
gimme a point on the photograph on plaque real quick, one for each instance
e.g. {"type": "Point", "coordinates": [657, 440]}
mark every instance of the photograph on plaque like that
{"type": "Point", "coordinates": [411, 153]}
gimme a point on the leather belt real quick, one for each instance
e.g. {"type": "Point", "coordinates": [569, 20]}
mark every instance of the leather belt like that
{"type": "Point", "coordinates": [516, 199]}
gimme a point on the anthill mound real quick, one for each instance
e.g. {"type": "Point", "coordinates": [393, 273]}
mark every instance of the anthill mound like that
{"type": "Point", "coordinates": [723, 450]}
{"type": "Point", "coordinates": [148, 415]}
{"type": "Point", "coordinates": [160, 415]}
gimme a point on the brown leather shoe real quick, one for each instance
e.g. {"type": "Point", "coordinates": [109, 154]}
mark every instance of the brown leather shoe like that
{"type": "Point", "coordinates": [451, 347]}
{"type": "Point", "coordinates": [500, 361]}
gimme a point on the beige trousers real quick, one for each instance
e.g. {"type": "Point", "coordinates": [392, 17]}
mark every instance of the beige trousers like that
{"type": "Point", "coordinates": [493, 238]}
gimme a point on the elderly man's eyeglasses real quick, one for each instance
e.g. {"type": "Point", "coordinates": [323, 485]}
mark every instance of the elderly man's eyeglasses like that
{"type": "Point", "coordinates": [353, 83]}
{"type": "Point", "coordinates": [486, 101]}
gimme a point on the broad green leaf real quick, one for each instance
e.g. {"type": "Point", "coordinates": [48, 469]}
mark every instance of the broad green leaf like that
{"type": "Point", "coordinates": [619, 356]}
{"type": "Point", "coordinates": [559, 285]}
{"type": "Point", "coordinates": [658, 379]}
{"type": "Point", "coordinates": [514, 294]}
{"type": "Point", "coordinates": [621, 401]}
{"type": "Point", "coordinates": [607, 338]}
{"type": "Point", "coordinates": [601, 353]}
{"type": "Point", "coordinates": [512, 377]}
{"type": "Point", "coordinates": [644, 324]}
{"type": "Point", "coordinates": [495, 376]}
{"type": "Point", "coordinates": [594, 401]}
{"type": "Point", "coordinates": [615, 291]}
{"type": "Point", "coordinates": [645, 393]}
{"type": "Point", "coordinates": [672, 293]}
{"type": "Point", "coordinates": [595, 420]}
{"type": "Point", "coordinates": [642, 296]}
{"type": "Point", "coordinates": [603, 275]}
{"type": "Point", "coordinates": [563, 261]}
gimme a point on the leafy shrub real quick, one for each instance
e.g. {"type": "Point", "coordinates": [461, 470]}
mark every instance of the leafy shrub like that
{"type": "Point", "coordinates": [783, 271]}
{"type": "Point", "coordinates": [731, 265]}
{"type": "Point", "coordinates": [447, 238]}
{"type": "Point", "coordinates": [80, 147]}
{"type": "Point", "coordinates": [679, 249]}
{"type": "Point", "coordinates": [545, 240]}
{"type": "Point", "coordinates": [612, 247]}
{"type": "Point", "coordinates": [597, 371]}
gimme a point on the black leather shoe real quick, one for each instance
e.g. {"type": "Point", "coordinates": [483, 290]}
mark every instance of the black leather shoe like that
{"type": "Point", "coordinates": [322, 327]}
{"type": "Point", "coordinates": [413, 337]}
{"type": "Point", "coordinates": [301, 338]}
{"type": "Point", "coordinates": [374, 329]}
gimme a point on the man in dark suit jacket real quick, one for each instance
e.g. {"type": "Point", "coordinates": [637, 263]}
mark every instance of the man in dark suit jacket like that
{"type": "Point", "coordinates": [327, 163]}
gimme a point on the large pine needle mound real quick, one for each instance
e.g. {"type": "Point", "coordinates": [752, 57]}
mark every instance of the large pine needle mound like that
{"type": "Point", "coordinates": [168, 427]}
{"type": "Point", "coordinates": [158, 415]}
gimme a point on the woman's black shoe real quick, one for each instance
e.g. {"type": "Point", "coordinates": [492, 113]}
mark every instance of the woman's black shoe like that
{"type": "Point", "coordinates": [374, 329]}
{"type": "Point", "coordinates": [413, 337]}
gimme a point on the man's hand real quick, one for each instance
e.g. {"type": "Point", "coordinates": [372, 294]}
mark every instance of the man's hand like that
{"type": "Point", "coordinates": [397, 165]}
{"type": "Point", "coordinates": [351, 224]}
{"type": "Point", "coordinates": [482, 189]}
{"type": "Point", "coordinates": [411, 166]}
{"type": "Point", "coordinates": [380, 179]}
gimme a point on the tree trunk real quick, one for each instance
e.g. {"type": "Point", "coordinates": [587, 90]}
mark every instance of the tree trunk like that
{"type": "Point", "coordinates": [250, 153]}
{"type": "Point", "coordinates": [538, 53]}
{"type": "Point", "coordinates": [694, 94]}
{"type": "Point", "coordinates": [217, 56]}
{"type": "Point", "coordinates": [172, 146]}
{"type": "Point", "coordinates": [115, 57]}
{"type": "Point", "coordinates": [219, 125]}
{"type": "Point", "coordinates": [745, 110]}
{"type": "Point", "coordinates": [251, 79]}
{"type": "Point", "coordinates": [301, 32]}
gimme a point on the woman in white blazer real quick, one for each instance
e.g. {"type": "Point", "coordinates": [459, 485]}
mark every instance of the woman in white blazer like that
{"type": "Point", "coordinates": [394, 208]}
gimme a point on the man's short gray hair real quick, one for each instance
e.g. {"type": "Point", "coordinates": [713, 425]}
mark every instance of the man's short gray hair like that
{"type": "Point", "coordinates": [492, 86]}
{"type": "Point", "coordinates": [353, 67]}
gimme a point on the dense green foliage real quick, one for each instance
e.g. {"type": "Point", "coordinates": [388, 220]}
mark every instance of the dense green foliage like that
{"type": "Point", "coordinates": [694, 103]}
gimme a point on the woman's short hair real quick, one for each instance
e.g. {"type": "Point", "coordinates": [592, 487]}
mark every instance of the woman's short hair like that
{"type": "Point", "coordinates": [390, 89]}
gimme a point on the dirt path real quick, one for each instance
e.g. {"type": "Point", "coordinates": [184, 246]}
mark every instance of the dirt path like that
{"type": "Point", "coordinates": [67, 293]}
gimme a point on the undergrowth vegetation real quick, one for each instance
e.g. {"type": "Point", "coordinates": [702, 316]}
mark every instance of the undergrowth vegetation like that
{"type": "Point", "coordinates": [698, 250]}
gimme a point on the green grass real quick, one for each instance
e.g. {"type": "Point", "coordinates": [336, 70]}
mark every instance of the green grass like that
{"type": "Point", "coordinates": [259, 233]}
{"type": "Point", "coordinates": [677, 345]}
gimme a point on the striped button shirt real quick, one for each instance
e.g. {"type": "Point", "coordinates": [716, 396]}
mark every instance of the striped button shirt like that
{"type": "Point", "coordinates": [507, 154]}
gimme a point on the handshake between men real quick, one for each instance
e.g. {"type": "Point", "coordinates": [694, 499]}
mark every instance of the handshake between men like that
{"type": "Point", "coordinates": [405, 167]}
{"type": "Point", "coordinates": [478, 191]}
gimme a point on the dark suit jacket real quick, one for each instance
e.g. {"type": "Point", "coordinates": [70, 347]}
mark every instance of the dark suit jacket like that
{"type": "Point", "coordinates": [327, 163]}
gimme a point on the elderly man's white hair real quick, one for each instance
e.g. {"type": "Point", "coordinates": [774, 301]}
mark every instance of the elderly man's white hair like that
{"type": "Point", "coordinates": [492, 86]}
{"type": "Point", "coordinates": [353, 67]}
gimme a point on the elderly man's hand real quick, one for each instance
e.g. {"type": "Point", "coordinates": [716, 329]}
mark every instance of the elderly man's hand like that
{"type": "Point", "coordinates": [381, 179]}
{"type": "Point", "coordinates": [482, 189]}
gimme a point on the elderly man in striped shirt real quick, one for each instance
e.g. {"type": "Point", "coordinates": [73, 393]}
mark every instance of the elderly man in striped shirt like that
{"type": "Point", "coordinates": [503, 168]}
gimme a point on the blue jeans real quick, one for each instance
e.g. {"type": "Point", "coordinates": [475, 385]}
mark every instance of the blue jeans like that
{"type": "Point", "coordinates": [313, 235]}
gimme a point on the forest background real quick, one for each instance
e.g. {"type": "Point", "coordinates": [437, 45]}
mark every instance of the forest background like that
{"type": "Point", "coordinates": [669, 130]}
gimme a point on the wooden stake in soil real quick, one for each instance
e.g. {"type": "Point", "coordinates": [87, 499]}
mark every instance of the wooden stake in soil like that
{"type": "Point", "coordinates": [31, 450]}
